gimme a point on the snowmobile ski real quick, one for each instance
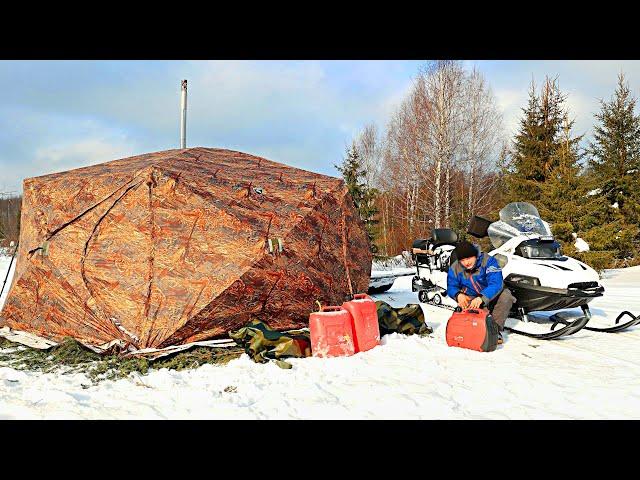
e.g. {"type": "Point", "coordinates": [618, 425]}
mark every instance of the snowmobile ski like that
{"type": "Point", "coordinates": [618, 327]}
{"type": "Point", "coordinates": [569, 328]}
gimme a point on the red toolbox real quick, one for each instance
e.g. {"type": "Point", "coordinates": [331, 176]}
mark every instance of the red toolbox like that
{"type": "Point", "coordinates": [331, 332]}
{"type": "Point", "coordinates": [364, 312]}
{"type": "Point", "coordinates": [472, 329]}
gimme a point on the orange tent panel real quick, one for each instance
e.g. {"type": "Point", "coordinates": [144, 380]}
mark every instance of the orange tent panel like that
{"type": "Point", "coordinates": [182, 245]}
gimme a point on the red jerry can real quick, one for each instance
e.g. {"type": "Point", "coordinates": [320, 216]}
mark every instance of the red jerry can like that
{"type": "Point", "coordinates": [472, 329]}
{"type": "Point", "coordinates": [331, 332]}
{"type": "Point", "coordinates": [365, 321]}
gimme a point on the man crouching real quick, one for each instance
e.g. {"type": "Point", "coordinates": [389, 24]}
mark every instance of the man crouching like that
{"type": "Point", "coordinates": [475, 281]}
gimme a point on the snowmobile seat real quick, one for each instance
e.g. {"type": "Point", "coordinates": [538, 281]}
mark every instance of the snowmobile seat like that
{"type": "Point", "coordinates": [421, 243]}
{"type": "Point", "coordinates": [443, 236]}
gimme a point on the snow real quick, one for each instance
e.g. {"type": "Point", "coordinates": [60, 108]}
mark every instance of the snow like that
{"type": "Point", "coordinates": [384, 269]}
{"type": "Point", "coordinates": [393, 273]}
{"type": "Point", "coordinates": [615, 205]}
{"type": "Point", "coordinates": [581, 245]}
{"type": "Point", "coordinates": [587, 376]}
{"type": "Point", "coordinates": [393, 263]}
{"type": "Point", "coordinates": [597, 191]}
{"type": "Point", "coordinates": [4, 265]}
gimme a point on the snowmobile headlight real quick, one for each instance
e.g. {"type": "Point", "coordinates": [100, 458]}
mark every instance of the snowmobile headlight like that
{"type": "Point", "coordinates": [523, 279]}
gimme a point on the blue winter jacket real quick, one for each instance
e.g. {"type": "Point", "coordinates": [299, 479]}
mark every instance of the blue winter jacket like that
{"type": "Point", "coordinates": [485, 280]}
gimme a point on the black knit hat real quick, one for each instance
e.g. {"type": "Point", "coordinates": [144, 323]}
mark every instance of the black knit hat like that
{"type": "Point", "coordinates": [465, 249]}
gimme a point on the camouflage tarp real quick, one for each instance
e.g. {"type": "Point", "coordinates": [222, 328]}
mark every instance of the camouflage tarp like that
{"type": "Point", "coordinates": [180, 246]}
{"type": "Point", "coordinates": [261, 343]}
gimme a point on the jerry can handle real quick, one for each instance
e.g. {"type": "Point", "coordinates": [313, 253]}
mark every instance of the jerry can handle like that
{"type": "Point", "coordinates": [358, 296]}
{"type": "Point", "coordinates": [472, 310]}
{"type": "Point", "coordinates": [331, 308]}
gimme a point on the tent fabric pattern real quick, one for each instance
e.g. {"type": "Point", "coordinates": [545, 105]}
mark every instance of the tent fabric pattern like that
{"type": "Point", "coordinates": [182, 245]}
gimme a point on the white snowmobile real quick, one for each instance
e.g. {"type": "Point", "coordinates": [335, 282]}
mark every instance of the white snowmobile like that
{"type": "Point", "coordinates": [540, 277]}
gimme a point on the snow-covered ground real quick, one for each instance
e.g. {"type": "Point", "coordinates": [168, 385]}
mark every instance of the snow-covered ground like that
{"type": "Point", "coordinates": [587, 376]}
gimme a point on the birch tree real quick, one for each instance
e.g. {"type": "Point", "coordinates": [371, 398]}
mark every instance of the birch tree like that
{"type": "Point", "coordinates": [441, 139]}
{"type": "Point", "coordinates": [482, 141]}
{"type": "Point", "coordinates": [442, 97]}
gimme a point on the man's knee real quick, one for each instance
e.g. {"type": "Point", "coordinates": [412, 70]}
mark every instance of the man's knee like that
{"type": "Point", "coordinates": [501, 307]}
{"type": "Point", "coordinates": [503, 301]}
{"type": "Point", "coordinates": [506, 297]}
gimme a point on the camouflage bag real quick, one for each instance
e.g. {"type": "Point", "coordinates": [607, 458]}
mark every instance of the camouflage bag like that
{"type": "Point", "coordinates": [263, 344]}
{"type": "Point", "coordinates": [408, 320]}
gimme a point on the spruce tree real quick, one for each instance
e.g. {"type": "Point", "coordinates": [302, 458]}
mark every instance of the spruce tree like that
{"type": "Point", "coordinates": [563, 191]}
{"type": "Point", "coordinates": [352, 169]}
{"type": "Point", "coordinates": [518, 182]}
{"type": "Point", "coordinates": [534, 155]}
{"type": "Point", "coordinates": [614, 165]}
{"type": "Point", "coordinates": [546, 169]}
{"type": "Point", "coordinates": [615, 152]}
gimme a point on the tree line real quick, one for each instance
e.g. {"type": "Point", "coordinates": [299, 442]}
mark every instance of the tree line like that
{"type": "Point", "coordinates": [444, 156]}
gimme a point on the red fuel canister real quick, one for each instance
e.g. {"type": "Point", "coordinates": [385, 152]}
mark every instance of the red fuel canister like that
{"type": "Point", "coordinates": [331, 332]}
{"type": "Point", "coordinates": [365, 322]}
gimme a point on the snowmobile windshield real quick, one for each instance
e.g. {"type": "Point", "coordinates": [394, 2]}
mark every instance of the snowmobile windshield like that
{"type": "Point", "coordinates": [539, 250]}
{"type": "Point", "coordinates": [524, 217]}
{"type": "Point", "coordinates": [500, 233]}
{"type": "Point", "coordinates": [515, 219]}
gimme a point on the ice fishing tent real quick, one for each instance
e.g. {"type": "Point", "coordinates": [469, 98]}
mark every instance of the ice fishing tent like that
{"type": "Point", "coordinates": [177, 246]}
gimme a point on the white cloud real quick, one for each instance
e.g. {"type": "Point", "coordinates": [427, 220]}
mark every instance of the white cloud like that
{"type": "Point", "coordinates": [67, 114]}
{"type": "Point", "coordinates": [89, 151]}
{"type": "Point", "coordinates": [510, 103]}
{"type": "Point", "coordinates": [584, 81]}
{"type": "Point", "coordinates": [601, 75]}
{"type": "Point", "coordinates": [581, 108]}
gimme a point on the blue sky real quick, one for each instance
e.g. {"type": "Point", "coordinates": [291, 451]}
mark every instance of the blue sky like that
{"type": "Point", "coordinates": [57, 115]}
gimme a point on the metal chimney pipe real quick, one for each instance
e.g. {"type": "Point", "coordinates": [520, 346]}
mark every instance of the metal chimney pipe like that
{"type": "Point", "coordinates": [183, 118]}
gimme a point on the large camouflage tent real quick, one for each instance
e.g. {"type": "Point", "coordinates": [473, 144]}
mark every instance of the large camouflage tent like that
{"type": "Point", "coordinates": [179, 246]}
